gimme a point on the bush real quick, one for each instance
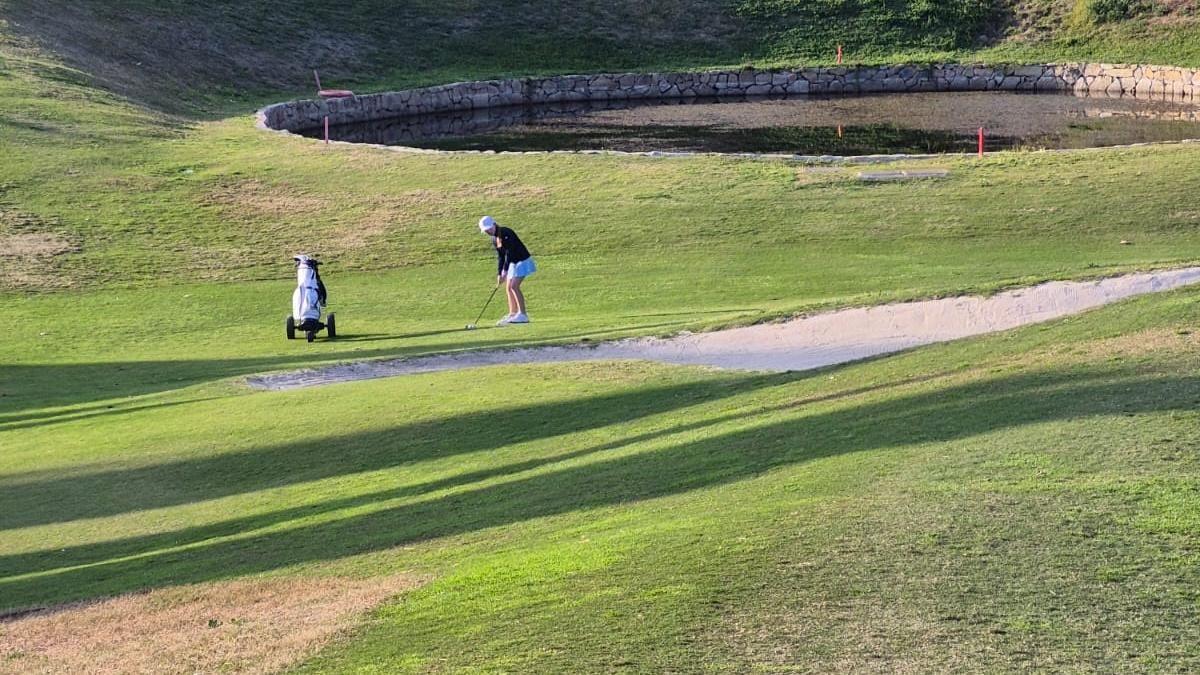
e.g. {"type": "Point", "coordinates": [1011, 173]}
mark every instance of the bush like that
{"type": "Point", "coordinates": [810, 28]}
{"type": "Point", "coordinates": [1107, 11]}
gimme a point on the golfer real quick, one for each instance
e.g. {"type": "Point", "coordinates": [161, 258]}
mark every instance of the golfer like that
{"type": "Point", "coordinates": [514, 263]}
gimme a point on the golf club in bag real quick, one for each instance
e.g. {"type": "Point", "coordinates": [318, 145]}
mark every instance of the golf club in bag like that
{"type": "Point", "coordinates": [471, 326]}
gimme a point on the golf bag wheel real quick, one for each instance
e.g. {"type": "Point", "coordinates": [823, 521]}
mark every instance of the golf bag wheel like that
{"type": "Point", "coordinates": [309, 335]}
{"type": "Point", "coordinates": [290, 326]}
{"type": "Point", "coordinates": [330, 328]}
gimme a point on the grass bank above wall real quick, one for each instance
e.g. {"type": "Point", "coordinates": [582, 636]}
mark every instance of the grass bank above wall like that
{"type": "Point", "coordinates": [208, 60]}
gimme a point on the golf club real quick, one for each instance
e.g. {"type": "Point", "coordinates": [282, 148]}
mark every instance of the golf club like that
{"type": "Point", "coordinates": [471, 326]}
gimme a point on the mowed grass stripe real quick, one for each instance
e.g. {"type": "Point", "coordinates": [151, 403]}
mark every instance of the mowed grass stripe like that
{"type": "Point", "coordinates": [660, 549]}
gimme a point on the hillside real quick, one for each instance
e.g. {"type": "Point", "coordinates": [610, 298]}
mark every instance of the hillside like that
{"type": "Point", "coordinates": [201, 58]}
{"type": "Point", "coordinates": [201, 54]}
{"type": "Point", "coordinates": [131, 160]}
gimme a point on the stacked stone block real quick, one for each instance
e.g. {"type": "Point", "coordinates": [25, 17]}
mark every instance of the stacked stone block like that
{"type": "Point", "coordinates": [1156, 82]}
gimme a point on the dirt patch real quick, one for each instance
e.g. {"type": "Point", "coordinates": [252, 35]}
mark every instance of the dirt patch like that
{"type": "Point", "coordinates": [881, 638]}
{"type": "Point", "coordinates": [508, 190]}
{"type": "Point", "coordinates": [35, 245]}
{"type": "Point", "coordinates": [407, 207]}
{"type": "Point", "coordinates": [397, 212]}
{"type": "Point", "coordinates": [1159, 341]}
{"type": "Point", "coordinates": [393, 213]}
{"type": "Point", "coordinates": [360, 234]}
{"type": "Point", "coordinates": [32, 250]}
{"type": "Point", "coordinates": [801, 344]}
{"type": "Point", "coordinates": [251, 626]}
{"type": "Point", "coordinates": [1033, 20]}
{"type": "Point", "coordinates": [1176, 12]}
{"type": "Point", "coordinates": [281, 220]}
{"type": "Point", "coordinates": [257, 199]}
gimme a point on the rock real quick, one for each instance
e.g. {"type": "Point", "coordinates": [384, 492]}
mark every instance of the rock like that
{"type": "Point", "coordinates": [798, 87]}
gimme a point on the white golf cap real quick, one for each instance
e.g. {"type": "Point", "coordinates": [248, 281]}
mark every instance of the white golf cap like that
{"type": "Point", "coordinates": [486, 223]}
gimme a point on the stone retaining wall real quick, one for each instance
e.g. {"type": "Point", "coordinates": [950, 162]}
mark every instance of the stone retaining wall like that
{"type": "Point", "coordinates": [1157, 82]}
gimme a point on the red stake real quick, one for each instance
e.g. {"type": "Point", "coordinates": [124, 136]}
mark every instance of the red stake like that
{"type": "Point", "coordinates": [839, 55]}
{"type": "Point", "coordinates": [327, 132]}
{"type": "Point", "coordinates": [981, 141]}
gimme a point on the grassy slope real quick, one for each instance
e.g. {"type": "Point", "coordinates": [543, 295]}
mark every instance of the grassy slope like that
{"type": "Point", "coordinates": [133, 197]}
{"type": "Point", "coordinates": [212, 57]}
{"type": "Point", "coordinates": [1025, 499]}
{"type": "Point", "coordinates": [190, 57]}
{"type": "Point", "coordinates": [151, 205]}
{"type": "Point", "coordinates": [763, 252]}
{"type": "Point", "coordinates": [632, 515]}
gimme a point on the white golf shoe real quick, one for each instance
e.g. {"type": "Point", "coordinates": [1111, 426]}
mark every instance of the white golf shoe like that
{"type": "Point", "coordinates": [507, 319]}
{"type": "Point", "coordinates": [521, 317]}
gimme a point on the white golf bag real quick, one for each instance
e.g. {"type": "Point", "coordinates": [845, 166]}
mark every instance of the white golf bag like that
{"type": "Point", "coordinates": [308, 301]}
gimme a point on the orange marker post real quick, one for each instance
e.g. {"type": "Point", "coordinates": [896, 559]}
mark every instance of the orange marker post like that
{"type": "Point", "coordinates": [839, 55]}
{"type": "Point", "coordinates": [981, 141]}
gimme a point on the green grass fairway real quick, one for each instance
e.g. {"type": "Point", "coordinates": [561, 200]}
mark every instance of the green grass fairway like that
{"type": "Point", "coordinates": [1020, 500]}
{"type": "Point", "coordinates": [1028, 500]}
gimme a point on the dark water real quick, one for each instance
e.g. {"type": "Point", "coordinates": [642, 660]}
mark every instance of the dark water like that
{"type": "Point", "coordinates": [845, 125]}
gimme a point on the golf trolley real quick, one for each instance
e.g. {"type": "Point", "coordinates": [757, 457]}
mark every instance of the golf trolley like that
{"type": "Point", "coordinates": [308, 302]}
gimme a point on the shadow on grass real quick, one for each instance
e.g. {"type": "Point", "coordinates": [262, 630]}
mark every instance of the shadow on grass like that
{"type": "Point", "coordinates": [60, 385]}
{"type": "Point", "coordinates": [28, 389]}
{"type": "Point", "coordinates": [743, 311]}
{"type": "Point", "coordinates": [97, 553]}
{"type": "Point", "coordinates": [40, 499]}
{"type": "Point", "coordinates": [943, 415]}
{"type": "Point", "coordinates": [87, 412]}
{"type": "Point", "coordinates": [377, 337]}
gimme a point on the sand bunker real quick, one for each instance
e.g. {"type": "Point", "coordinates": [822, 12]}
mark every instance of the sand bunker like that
{"type": "Point", "coordinates": [810, 342]}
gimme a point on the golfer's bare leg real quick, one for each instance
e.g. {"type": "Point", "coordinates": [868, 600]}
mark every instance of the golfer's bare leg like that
{"type": "Point", "coordinates": [515, 295]}
{"type": "Point", "coordinates": [512, 300]}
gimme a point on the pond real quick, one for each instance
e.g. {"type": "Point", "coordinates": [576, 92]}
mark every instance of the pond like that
{"type": "Point", "coordinates": [809, 125]}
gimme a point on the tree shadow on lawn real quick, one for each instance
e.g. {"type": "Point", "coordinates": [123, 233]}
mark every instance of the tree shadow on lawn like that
{"type": "Point", "coordinates": [27, 563]}
{"type": "Point", "coordinates": [90, 412]}
{"type": "Point", "coordinates": [30, 388]}
{"type": "Point", "coordinates": [41, 498]}
{"type": "Point", "coordinates": [19, 564]}
{"type": "Point", "coordinates": [944, 415]}
{"type": "Point", "coordinates": [745, 311]}
{"type": "Point", "coordinates": [61, 385]}
{"type": "Point", "coordinates": [380, 337]}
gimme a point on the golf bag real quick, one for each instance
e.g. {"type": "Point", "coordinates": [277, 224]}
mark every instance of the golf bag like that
{"type": "Point", "coordinates": [309, 298]}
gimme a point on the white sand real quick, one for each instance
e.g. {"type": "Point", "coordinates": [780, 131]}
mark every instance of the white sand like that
{"type": "Point", "coordinates": [811, 342]}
